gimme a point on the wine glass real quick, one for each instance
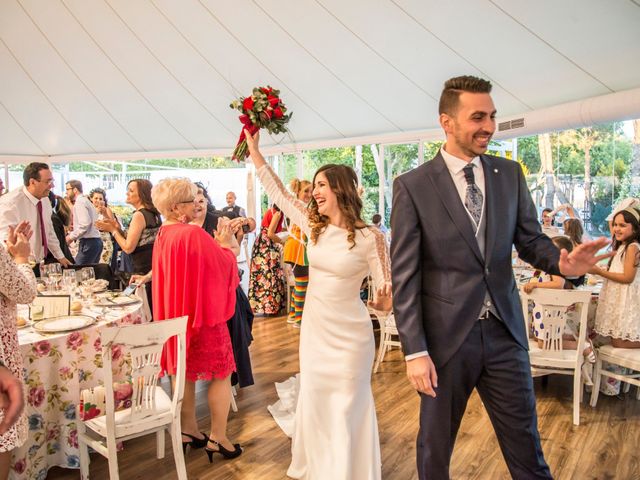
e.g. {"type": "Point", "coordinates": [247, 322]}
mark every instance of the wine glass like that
{"type": "Point", "coordinates": [87, 279]}
{"type": "Point", "coordinates": [55, 275]}
{"type": "Point", "coordinates": [69, 280]}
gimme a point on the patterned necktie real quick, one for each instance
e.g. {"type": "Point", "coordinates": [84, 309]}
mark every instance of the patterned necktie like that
{"type": "Point", "coordinates": [473, 198]}
{"type": "Point", "coordinates": [43, 234]}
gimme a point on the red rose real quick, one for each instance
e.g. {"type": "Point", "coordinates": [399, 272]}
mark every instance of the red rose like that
{"type": "Point", "coordinates": [273, 101]}
{"type": "Point", "coordinates": [36, 396]}
{"type": "Point", "coordinates": [247, 104]}
{"type": "Point", "coordinates": [74, 341]}
{"type": "Point", "coordinates": [42, 348]}
{"type": "Point", "coordinates": [20, 466]}
{"type": "Point", "coordinates": [277, 112]}
{"type": "Point", "coordinates": [266, 90]}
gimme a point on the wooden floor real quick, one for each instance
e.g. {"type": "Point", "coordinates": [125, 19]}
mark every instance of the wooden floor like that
{"type": "Point", "coordinates": [604, 446]}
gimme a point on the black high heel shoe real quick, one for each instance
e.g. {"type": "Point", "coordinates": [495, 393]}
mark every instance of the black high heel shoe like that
{"type": "Point", "coordinates": [228, 454]}
{"type": "Point", "coordinates": [194, 442]}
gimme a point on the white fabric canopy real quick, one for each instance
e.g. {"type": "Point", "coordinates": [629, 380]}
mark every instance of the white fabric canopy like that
{"type": "Point", "coordinates": [136, 79]}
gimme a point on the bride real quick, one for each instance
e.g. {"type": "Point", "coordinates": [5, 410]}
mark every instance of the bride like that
{"type": "Point", "coordinates": [336, 432]}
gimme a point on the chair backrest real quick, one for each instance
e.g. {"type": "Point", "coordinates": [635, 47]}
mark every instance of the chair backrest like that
{"type": "Point", "coordinates": [144, 343]}
{"type": "Point", "coordinates": [554, 305]}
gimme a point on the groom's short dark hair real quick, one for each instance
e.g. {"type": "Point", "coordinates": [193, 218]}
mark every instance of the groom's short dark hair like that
{"type": "Point", "coordinates": [455, 86]}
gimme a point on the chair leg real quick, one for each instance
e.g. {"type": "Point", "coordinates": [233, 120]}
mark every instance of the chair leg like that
{"type": "Point", "coordinates": [84, 453]}
{"type": "Point", "coordinates": [577, 386]}
{"type": "Point", "coordinates": [176, 445]}
{"type": "Point", "coordinates": [381, 348]}
{"type": "Point", "coordinates": [626, 387]}
{"type": "Point", "coordinates": [113, 462]}
{"type": "Point", "coordinates": [596, 383]}
{"type": "Point", "coordinates": [160, 444]}
{"type": "Point", "coordinates": [234, 405]}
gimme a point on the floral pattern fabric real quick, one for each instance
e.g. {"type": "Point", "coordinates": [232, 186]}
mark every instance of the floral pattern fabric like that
{"type": "Point", "coordinates": [56, 369]}
{"type": "Point", "coordinates": [266, 277]}
{"type": "Point", "coordinates": [18, 285]}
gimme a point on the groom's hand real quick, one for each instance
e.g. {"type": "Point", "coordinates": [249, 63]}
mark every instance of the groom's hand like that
{"type": "Point", "coordinates": [422, 375]}
{"type": "Point", "coordinates": [582, 258]}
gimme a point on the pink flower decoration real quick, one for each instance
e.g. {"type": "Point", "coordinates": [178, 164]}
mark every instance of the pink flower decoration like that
{"type": "Point", "coordinates": [72, 440]}
{"type": "Point", "coordinates": [36, 396]}
{"type": "Point", "coordinates": [116, 352]}
{"type": "Point", "coordinates": [97, 345]}
{"type": "Point", "coordinates": [74, 340]}
{"type": "Point", "coordinates": [20, 466]}
{"type": "Point", "coordinates": [42, 348]}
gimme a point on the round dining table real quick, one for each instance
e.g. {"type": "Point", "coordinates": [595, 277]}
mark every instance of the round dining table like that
{"type": "Point", "coordinates": [57, 367]}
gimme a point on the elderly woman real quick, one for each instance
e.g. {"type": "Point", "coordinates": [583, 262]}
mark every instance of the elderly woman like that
{"type": "Point", "coordinates": [196, 275]}
{"type": "Point", "coordinates": [17, 285]}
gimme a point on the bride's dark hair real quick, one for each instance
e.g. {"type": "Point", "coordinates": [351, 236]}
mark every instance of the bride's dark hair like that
{"type": "Point", "coordinates": [343, 181]}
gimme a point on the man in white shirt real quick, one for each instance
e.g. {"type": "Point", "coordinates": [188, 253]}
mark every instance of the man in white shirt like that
{"type": "Point", "coordinates": [84, 228]}
{"type": "Point", "coordinates": [232, 210]}
{"type": "Point", "coordinates": [30, 203]}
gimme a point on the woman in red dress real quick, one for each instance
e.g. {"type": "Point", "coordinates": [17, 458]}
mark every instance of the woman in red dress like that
{"type": "Point", "coordinates": [195, 275]}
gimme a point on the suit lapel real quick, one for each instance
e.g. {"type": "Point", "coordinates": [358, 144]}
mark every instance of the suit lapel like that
{"type": "Point", "coordinates": [490, 207]}
{"type": "Point", "coordinates": [443, 184]}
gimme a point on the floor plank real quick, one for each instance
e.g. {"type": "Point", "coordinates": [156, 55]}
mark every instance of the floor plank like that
{"type": "Point", "coordinates": [604, 446]}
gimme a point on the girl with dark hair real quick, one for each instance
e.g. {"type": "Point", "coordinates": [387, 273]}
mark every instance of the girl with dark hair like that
{"type": "Point", "coordinates": [618, 314]}
{"type": "Point", "coordinates": [335, 433]}
{"type": "Point", "coordinates": [573, 229]}
{"type": "Point", "coordinates": [141, 235]}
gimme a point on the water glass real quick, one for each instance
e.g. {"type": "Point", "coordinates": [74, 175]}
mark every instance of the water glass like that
{"type": "Point", "coordinates": [69, 280]}
{"type": "Point", "coordinates": [54, 271]}
{"type": "Point", "coordinates": [87, 279]}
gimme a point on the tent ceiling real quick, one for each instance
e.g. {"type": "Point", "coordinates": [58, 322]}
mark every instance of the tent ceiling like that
{"type": "Point", "coordinates": [108, 76]}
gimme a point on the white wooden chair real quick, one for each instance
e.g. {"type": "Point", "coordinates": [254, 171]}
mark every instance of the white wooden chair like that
{"type": "Point", "coordinates": [623, 357]}
{"type": "Point", "coordinates": [388, 330]}
{"type": "Point", "coordinates": [552, 358]}
{"type": "Point", "coordinates": [152, 410]}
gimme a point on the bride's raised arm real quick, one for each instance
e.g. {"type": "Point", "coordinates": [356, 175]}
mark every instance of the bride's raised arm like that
{"type": "Point", "coordinates": [293, 208]}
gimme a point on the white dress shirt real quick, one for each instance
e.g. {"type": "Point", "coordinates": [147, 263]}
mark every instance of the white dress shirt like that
{"type": "Point", "coordinates": [84, 219]}
{"type": "Point", "coordinates": [455, 166]}
{"type": "Point", "coordinates": [19, 205]}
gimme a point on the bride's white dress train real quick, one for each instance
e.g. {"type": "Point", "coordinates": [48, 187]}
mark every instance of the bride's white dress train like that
{"type": "Point", "coordinates": [335, 430]}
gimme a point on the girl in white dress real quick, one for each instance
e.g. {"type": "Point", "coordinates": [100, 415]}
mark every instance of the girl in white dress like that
{"type": "Point", "coordinates": [618, 314]}
{"type": "Point", "coordinates": [335, 434]}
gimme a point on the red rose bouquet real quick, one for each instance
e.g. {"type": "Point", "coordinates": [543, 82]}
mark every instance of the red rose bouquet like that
{"type": "Point", "coordinates": [263, 109]}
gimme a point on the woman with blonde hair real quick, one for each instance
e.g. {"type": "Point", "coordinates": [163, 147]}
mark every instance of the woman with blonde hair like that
{"type": "Point", "coordinates": [295, 254]}
{"type": "Point", "coordinates": [195, 275]}
{"type": "Point", "coordinates": [335, 432]}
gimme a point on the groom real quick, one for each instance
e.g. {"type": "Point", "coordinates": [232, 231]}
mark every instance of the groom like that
{"type": "Point", "coordinates": [454, 222]}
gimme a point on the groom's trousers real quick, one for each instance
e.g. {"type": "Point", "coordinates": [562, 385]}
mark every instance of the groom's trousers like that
{"type": "Point", "coordinates": [494, 363]}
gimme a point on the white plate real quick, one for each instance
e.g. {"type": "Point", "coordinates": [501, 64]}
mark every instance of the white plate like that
{"type": "Point", "coordinates": [100, 285]}
{"type": "Point", "coordinates": [109, 300]}
{"type": "Point", "coordinates": [63, 324]}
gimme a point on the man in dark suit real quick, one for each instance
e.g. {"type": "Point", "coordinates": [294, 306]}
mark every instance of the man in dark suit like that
{"type": "Point", "coordinates": [454, 222]}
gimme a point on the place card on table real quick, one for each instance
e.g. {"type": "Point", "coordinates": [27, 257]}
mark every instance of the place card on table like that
{"type": "Point", "coordinates": [49, 306]}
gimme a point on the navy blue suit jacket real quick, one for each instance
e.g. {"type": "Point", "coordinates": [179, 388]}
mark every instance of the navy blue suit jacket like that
{"type": "Point", "coordinates": [439, 275]}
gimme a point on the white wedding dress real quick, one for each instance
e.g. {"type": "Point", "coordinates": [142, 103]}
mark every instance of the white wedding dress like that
{"type": "Point", "coordinates": [335, 431]}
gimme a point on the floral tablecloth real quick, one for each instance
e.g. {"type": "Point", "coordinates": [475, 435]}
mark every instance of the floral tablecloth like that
{"type": "Point", "coordinates": [57, 368]}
